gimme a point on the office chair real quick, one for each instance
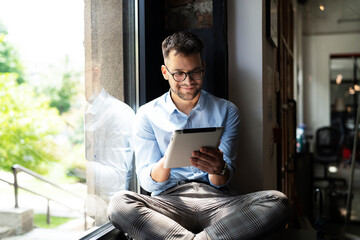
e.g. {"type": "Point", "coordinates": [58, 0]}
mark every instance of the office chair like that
{"type": "Point", "coordinates": [328, 151]}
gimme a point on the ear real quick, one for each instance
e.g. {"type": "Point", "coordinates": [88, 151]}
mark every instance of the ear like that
{"type": "Point", "coordinates": [164, 71]}
{"type": "Point", "coordinates": [204, 65]}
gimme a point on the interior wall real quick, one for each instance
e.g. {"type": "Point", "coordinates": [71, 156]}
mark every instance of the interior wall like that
{"type": "Point", "coordinates": [245, 31]}
{"type": "Point", "coordinates": [298, 63]}
{"type": "Point", "coordinates": [316, 53]}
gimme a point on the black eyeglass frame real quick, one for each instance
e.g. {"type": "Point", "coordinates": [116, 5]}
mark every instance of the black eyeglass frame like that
{"type": "Point", "coordinates": [186, 74]}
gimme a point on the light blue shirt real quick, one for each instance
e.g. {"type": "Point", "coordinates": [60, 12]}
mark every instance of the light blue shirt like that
{"type": "Point", "coordinates": [155, 122]}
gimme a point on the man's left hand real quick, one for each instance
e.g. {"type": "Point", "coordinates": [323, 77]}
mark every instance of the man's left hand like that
{"type": "Point", "coordinates": [209, 160]}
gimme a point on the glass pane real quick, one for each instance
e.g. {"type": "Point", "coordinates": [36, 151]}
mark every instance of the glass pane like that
{"type": "Point", "coordinates": [341, 92]}
{"type": "Point", "coordinates": [343, 66]}
{"type": "Point", "coordinates": [41, 108]}
{"type": "Point", "coordinates": [108, 118]}
{"type": "Point", "coordinates": [345, 88]}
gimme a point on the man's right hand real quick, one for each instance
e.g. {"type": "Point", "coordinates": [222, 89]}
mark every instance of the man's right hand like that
{"type": "Point", "coordinates": [159, 173]}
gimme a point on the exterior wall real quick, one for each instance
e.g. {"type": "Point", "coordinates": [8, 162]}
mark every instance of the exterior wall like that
{"type": "Point", "coordinates": [104, 47]}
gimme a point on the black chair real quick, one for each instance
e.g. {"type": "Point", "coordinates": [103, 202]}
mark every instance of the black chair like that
{"type": "Point", "coordinates": [328, 151]}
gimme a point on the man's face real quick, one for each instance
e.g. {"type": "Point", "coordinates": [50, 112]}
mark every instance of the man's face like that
{"type": "Point", "coordinates": [188, 89]}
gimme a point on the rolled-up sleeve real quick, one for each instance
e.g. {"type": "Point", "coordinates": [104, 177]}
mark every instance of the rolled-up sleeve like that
{"type": "Point", "coordinates": [147, 152]}
{"type": "Point", "coordinates": [230, 139]}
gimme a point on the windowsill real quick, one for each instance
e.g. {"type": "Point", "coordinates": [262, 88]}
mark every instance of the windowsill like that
{"type": "Point", "coordinates": [106, 231]}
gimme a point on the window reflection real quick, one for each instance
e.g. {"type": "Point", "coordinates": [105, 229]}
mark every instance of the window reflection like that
{"type": "Point", "coordinates": [109, 152]}
{"type": "Point", "coordinates": [110, 88]}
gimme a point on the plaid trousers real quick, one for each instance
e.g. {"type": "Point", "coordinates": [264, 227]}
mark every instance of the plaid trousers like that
{"type": "Point", "coordinates": [191, 208]}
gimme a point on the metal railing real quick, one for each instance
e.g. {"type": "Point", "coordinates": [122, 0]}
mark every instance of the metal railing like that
{"type": "Point", "coordinates": [18, 168]}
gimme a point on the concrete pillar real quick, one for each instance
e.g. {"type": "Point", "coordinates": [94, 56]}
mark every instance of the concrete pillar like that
{"type": "Point", "coordinates": [103, 42]}
{"type": "Point", "coordinates": [104, 69]}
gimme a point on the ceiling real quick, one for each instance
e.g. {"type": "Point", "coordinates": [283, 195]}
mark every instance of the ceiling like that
{"type": "Point", "coordinates": [338, 16]}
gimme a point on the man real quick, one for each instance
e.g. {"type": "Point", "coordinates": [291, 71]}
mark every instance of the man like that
{"type": "Point", "coordinates": [191, 202]}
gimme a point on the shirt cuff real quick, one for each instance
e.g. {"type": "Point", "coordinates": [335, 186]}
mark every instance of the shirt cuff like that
{"type": "Point", "coordinates": [150, 184]}
{"type": "Point", "coordinates": [231, 173]}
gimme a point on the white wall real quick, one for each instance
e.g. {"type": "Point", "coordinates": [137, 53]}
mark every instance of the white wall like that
{"type": "Point", "coordinates": [245, 88]}
{"type": "Point", "coordinates": [316, 54]}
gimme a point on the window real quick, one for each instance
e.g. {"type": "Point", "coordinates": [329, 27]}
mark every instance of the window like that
{"type": "Point", "coordinates": [41, 105]}
{"type": "Point", "coordinates": [105, 118]}
{"type": "Point", "coordinates": [111, 94]}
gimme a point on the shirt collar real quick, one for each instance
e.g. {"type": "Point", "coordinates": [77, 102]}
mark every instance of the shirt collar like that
{"type": "Point", "coordinates": [173, 109]}
{"type": "Point", "coordinates": [96, 102]}
{"type": "Point", "coordinates": [202, 101]}
{"type": "Point", "coordinates": [169, 103]}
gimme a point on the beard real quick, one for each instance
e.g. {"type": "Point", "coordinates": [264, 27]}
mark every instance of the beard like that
{"type": "Point", "coordinates": [187, 96]}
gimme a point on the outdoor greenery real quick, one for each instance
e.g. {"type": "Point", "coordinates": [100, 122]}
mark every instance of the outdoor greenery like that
{"type": "Point", "coordinates": [40, 221]}
{"type": "Point", "coordinates": [32, 118]}
{"type": "Point", "coordinates": [9, 57]}
{"type": "Point", "coordinates": [27, 126]}
{"type": "Point", "coordinates": [62, 96]}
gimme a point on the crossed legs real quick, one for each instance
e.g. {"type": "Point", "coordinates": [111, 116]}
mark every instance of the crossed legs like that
{"type": "Point", "coordinates": [196, 208]}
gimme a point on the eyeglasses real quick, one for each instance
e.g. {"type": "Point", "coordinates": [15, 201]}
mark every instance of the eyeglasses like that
{"type": "Point", "coordinates": [181, 76]}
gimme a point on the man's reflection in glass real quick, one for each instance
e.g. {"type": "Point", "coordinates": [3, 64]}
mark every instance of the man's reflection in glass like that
{"type": "Point", "coordinates": [109, 151]}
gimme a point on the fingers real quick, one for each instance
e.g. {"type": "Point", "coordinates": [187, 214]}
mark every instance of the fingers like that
{"type": "Point", "coordinates": [206, 166]}
{"type": "Point", "coordinates": [203, 161]}
{"type": "Point", "coordinates": [208, 154]}
{"type": "Point", "coordinates": [210, 151]}
{"type": "Point", "coordinates": [202, 165]}
{"type": "Point", "coordinates": [209, 160]}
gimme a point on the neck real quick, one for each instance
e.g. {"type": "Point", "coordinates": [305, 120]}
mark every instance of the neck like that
{"type": "Point", "coordinates": [184, 106]}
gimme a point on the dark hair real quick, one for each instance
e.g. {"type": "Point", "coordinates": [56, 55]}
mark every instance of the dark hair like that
{"type": "Point", "coordinates": [182, 42]}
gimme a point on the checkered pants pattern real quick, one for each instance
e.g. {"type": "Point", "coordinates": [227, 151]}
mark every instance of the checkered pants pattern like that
{"type": "Point", "coordinates": [191, 208]}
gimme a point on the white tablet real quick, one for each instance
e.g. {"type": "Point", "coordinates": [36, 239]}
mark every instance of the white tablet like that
{"type": "Point", "coordinates": [184, 142]}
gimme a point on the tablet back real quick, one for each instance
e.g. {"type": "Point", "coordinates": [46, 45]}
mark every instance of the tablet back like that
{"type": "Point", "coordinates": [184, 142]}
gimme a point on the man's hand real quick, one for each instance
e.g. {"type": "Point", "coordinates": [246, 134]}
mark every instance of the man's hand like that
{"type": "Point", "coordinates": [210, 160]}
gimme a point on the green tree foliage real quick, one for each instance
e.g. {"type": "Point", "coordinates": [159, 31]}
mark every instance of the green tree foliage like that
{"type": "Point", "coordinates": [9, 57]}
{"type": "Point", "coordinates": [27, 126]}
{"type": "Point", "coordinates": [29, 116]}
{"type": "Point", "coordinates": [62, 97]}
